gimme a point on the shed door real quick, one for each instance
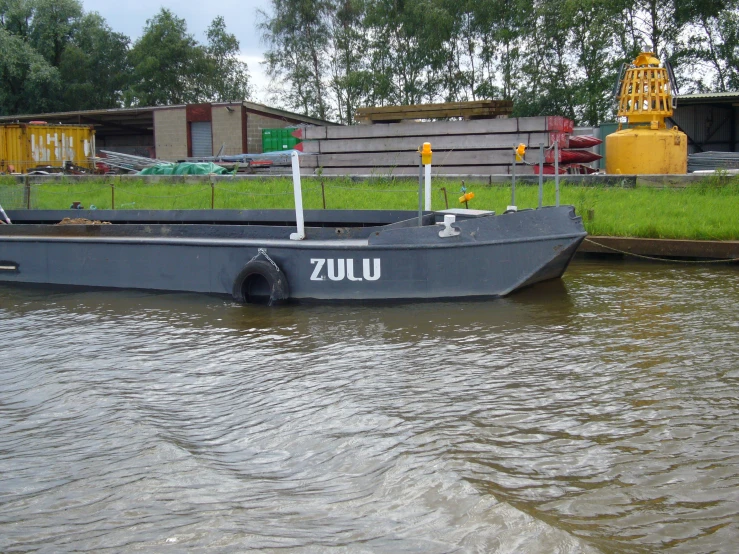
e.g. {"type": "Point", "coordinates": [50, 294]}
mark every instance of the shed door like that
{"type": "Point", "coordinates": [202, 139]}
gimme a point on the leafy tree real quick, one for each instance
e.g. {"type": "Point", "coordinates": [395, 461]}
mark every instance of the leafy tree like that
{"type": "Point", "coordinates": [28, 83]}
{"type": "Point", "coordinates": [592, 41]}
{"type": "Point", "coordinates": [167, 61]}
{"type": "Point", "coordinates": [406, 42]}
{"type": "Point", "coordinates": [297, 37]}
{"type": "Point", "coordinates": [15, 17]}
{"type": "Point", "coordinates": [226, 77]}
{"type": "Point", "coordinates": [62, 58]}
{"type": "Point", "coordinates": [545, 84]}
{"type": "Point", "coordinates": [349, 80]}
{"type": "Point", "coordinates": [95, 66]}
{"type": "Point", "coordinates": [53, 26]}
{"type": "Point", "coordinates": [712, 47]}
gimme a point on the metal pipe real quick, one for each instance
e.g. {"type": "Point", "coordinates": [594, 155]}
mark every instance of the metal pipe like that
{"type": "Point", "coordinates": [513, 180]}
{"type": "Point", "coordinates": [556, 172]}
{"type": "Point", "coordinates": [298, 192]}
{"type": "Point", "coordinates": [420, 191]}
{"type": "Point", "coordinates": [541, 174]}
{"type": "Point", "coordinates": [4, 216]}
{"type": "Point", "coordinates": [428, 187]}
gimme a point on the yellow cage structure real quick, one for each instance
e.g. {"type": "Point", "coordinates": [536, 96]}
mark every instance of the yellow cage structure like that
{"type": "Point", "coordinates": [646, 146]}
{"type": "Point", "coordinates": [27, 146]}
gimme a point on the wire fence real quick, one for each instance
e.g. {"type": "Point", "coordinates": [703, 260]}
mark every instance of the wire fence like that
{"type": "Point", "coordinates": [208, 195]}
{"type": "Point", "coordinates": [116, 193]}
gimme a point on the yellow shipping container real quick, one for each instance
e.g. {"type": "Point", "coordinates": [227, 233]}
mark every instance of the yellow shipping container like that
{"type": "Point", "coordinates": [25, 146]}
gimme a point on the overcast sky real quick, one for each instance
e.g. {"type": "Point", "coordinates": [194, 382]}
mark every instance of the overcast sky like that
{"type": "Point", "coordinates": [129, 17]}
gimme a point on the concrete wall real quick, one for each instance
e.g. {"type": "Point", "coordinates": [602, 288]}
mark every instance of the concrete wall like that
{"type": "Point", "coordinates": [227, 129]}
{"type": "Point", "coordinates": [170, 134]}
{"type": "Point", "coordinates": [254, 125]}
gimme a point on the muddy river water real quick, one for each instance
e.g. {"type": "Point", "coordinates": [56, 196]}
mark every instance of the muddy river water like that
{"type": "Point", "coordinates": [595, 414]}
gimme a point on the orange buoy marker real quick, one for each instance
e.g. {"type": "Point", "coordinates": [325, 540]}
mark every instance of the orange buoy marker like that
{"type": "Point", "coordinates": [465, 198]}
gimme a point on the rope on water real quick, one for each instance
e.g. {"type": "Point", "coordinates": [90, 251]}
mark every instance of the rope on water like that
{"type": "Point", "coordinates": [669, 260]}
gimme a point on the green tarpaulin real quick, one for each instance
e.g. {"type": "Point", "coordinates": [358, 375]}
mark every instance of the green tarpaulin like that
{"type": "Point", "coordinates": [184, 169]}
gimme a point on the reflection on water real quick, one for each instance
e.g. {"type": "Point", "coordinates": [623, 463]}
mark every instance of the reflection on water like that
{"type": "Point", "coordinates": [599, 413]}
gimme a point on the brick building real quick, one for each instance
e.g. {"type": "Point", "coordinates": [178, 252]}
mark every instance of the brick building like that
{"type": "Point", "coordinates": [177, 132]}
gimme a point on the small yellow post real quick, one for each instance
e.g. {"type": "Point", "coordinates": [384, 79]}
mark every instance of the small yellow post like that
{"type": "Point", "coordinates": [426, 153]}
{"type": "Point", "coordinates": [520, 152]}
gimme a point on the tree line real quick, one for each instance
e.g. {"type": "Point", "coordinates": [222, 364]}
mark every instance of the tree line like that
{"type": "Point", "coordinates": [56, 57]}
{"type": "Point", "coordinates": [561, 57]}
{"type": "Point", "coordinates": [326, 58]}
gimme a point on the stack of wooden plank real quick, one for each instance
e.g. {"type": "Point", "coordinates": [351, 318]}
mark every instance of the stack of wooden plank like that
{"type": "Point", "coordinates": [479, 147]}
{"type": "Point", "coordinates": [478, 109]}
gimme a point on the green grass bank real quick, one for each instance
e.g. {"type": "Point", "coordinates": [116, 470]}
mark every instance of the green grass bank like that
{"type": "Point", "coordinates": [708, 210]}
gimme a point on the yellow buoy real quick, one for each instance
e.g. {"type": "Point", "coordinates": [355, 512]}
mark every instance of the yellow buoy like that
{"type": "Point", "coordinates": [647, 146]}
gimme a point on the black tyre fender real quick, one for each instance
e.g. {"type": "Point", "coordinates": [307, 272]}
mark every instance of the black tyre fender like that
{"type": "Point", "coordinates": [279, 290]}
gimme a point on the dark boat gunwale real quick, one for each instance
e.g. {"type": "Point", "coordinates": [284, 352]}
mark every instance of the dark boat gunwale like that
{"type": "Point", "coordinates": [328, 218]}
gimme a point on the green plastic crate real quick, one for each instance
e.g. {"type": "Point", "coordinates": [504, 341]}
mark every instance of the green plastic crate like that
{"type": "Point", "coordinates": [274, 140]}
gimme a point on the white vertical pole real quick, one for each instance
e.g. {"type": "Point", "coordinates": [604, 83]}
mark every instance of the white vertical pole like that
{"type": "Point", "coordinates": [298, 191]}
{"type": "Point", "coordinates": [420, 190]}
{"type": "Point", "coordinates": [428, 187]}
{"type": "Point", "coordinates": [513, 179]}
{"type": "Point", "coordinates": [4, 216]}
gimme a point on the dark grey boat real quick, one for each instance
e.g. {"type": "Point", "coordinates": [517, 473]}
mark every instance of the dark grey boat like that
{"type": "Point", "coordinates": [254, 255]}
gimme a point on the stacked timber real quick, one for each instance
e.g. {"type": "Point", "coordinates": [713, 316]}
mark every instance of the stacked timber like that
{"type": "Point", "coordinates": [476, 109]}
{"type": "Point", "coordinates": [477, 147]}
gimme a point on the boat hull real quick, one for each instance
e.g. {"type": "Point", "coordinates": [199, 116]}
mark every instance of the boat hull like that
{"type": "Point", "coordinates": [491, 256]}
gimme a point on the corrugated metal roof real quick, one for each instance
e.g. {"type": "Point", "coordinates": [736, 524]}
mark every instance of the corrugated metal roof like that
{"type": "Point", "coordinates": [56, 115]}
{"type": "Point", "coordinates": [124, 112]}
{"type": "Point", "coordinates": [284, 113]}
{"type": "Point", "coordinates": [722, 96]}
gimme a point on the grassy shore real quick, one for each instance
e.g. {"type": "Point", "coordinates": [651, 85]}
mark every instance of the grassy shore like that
{"type": "Point", "coordinates": [705, 211]}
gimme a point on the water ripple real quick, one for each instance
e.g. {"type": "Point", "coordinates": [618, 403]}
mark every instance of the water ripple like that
{"type": "Point", "coordinates": [598, 414]}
